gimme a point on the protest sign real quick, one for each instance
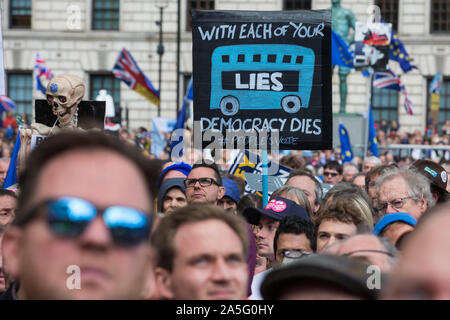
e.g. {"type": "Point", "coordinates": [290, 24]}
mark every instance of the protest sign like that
{"type": "Point", "coordinates": [248, 166]}
{"type": "Point", "coordinates": [257, 71]}
{"type": "Point", "coordinates": [36, 139]}
{"type": "Point", "coordinates": [372, 46]}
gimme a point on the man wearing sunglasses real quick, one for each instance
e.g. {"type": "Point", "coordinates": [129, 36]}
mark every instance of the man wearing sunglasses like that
{"type": "Point", "coordinates": [83, 222]}
{"type": "Point", "coordinates": [204, 184]}
{"type": "Point", "coordinates": [332, 172]}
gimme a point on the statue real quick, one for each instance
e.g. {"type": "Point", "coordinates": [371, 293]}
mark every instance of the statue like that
{"type": "Point", "coordinates": [64, 93]}
{"type": "Point", "coordinates": [342, 20]}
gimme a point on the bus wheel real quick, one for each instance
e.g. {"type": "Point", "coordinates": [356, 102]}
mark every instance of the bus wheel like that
{"type": "Point", "coordinates": [291, 104]}
{"type": "Point", "coordinates": [229, 105]}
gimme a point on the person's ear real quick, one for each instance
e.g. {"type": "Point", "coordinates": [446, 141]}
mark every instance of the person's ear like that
{"type": "Point", "coordinates": [423, 204]}
{"type": "Point", "coordinates": [11, 250]}
{"type": "Point", "coordinates": [150, 289]}
{"type": "Point", "coordinates": [163, 280]}
{"type": "Point", "coordinates": [221, 192]}
{"type": "Point", "coordinates": [316, 208]}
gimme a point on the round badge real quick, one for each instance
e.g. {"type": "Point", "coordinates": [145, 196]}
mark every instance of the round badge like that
{"type": "Point", "coordinates": [269, 206]}
{"type": "Point", "coordinates": [54, 87]}
{"type": "Point", "coordinates": [279, 206]}
{"type": "Point", "coordinates": [444, 176]}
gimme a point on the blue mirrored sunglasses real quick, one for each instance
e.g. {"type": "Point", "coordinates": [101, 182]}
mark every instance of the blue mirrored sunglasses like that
{"type": "Point", "coordinates": [69, 217]}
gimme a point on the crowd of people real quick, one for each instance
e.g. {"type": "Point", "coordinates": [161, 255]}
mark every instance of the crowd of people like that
{"type": "Point", "coordinates": [97, 216]}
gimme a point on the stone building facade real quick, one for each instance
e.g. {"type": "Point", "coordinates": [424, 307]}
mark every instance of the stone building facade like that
{"type": "Point", "coordinates": [64, 34]}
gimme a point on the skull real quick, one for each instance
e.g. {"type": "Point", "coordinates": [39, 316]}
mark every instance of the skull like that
{"type": "Point", "coordinates": [64, 93]}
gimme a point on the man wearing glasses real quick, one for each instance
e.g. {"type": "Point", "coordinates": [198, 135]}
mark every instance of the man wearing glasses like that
{"type": "Point", "coordinates": [293, 239]}
{"type": "Point", "coordinates": [204, 184]}
{"type": "Point", "coordinates": [403, 190]}
{"type": "Point", "coordinates": [83, 221]}
{"type": "Point", "coordinates": [332, 172]}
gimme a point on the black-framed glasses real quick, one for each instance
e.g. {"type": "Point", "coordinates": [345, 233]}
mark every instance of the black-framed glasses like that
{"type": "Point", "coordinates": [396, 204]}
{"type": "Point", "coordinates": [204, 182]}
{"type": "Point", "coordinates": [329, 173]}
{"type": "Point", "coordinates": [348, 254]}
{"type": "Point", "coordinates": [69, 217]}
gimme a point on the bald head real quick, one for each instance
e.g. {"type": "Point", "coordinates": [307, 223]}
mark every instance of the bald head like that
{"type": "Point", "coordinates": [368, 249]}
{"type": "Point", "coordinates": [422, 272]}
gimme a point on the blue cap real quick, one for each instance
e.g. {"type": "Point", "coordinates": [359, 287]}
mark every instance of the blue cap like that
{"type": "Point", "coordinates": [278, 208]}
{"type": "Point", "coordinates": [231, 189]}
{"type": "Point", "coordinates": [179, 166]}
{"type": "Point", "coordinates": [391, 218]}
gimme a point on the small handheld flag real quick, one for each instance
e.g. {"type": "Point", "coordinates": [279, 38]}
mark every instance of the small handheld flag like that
{"type": "Point", "coordinates": [6, 104]}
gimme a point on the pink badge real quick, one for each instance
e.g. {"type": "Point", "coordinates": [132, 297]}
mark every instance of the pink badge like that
{"type": "Point", "coordinates": [276, 205]}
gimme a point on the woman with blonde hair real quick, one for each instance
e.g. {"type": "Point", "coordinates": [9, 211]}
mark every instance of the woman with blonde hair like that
{"type": "Point", "coordinates": [294, 194]}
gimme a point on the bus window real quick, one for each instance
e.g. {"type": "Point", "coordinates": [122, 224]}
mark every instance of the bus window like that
{"type": "Point", "coordinates": [271, 76]}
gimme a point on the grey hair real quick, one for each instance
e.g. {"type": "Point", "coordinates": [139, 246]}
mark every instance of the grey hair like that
{"type": "Point", "coordinates": [391, 249]}
{"type": "Point", "coordinates": [296, 192]}
{"type": "Point", "coordinates": [418, 185]}
{"type": "Point", "coordinates": [348, 165]}
{"type": "Point", "coordinates": [373, 159]}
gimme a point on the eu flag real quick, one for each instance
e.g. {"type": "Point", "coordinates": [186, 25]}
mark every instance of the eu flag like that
{"type": "Point", "coordinates": [373, 144]}
{"type": "Point", "coordinates": [346, 148]}
{"type": "Point", "coordinates": [11, 176]}
{"type": "Point", "coordinates": [397, 52]}
{"type": "Point", "coordinates": [341, 54]}
{"type": "Point", "coordinates": [181, 118]}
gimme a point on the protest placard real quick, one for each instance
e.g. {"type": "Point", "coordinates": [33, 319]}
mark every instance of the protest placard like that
{"type": "Point", "coordinates": [257, 71]}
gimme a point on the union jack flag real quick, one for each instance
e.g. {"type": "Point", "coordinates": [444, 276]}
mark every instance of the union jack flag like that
{"type": "Point", "coordinates": [6, 104]}
{"type": "Point", "coordinates": [127, 70]}
{"type": "Point", "coordinates": [40, 66]}
{"type": "Point", "coordinates": [389, 80]}
{"type": "Point", "coordinates": [386, 80]}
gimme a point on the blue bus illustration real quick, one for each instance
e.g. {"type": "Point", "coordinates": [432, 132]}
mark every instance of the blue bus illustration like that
{"type": "Point", "coordinates": [263, 76]}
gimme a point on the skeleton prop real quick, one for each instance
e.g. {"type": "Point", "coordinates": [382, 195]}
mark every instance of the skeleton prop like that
{"type": "Point", "coordinates": [64, 93]}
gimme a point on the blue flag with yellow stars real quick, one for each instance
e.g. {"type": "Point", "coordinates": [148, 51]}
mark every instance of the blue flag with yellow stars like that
{"type": "Point", "coordinates": [397, 52]}
{"type": "Point", "coordinates": [11, 176]}
{"type": "Point", "coordinates": [346, 147]}
{"type": "Point", "coordinates": [373, 144]}
{"type": "Point", "coordinates": [341, 55]}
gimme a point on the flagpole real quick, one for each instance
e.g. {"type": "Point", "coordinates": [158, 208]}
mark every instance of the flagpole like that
{"type": "Point", "coordinates": [368, 113]}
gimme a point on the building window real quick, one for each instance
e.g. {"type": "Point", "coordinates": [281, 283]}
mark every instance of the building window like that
{"type": "Point", "coordinates": [20, 14]}
{"type": "Point", "coordinates": [389, 12]}
{"type": "Point", "coordinates": [297, 5]}
{"type": "Point", "coordinates": [111, 84]}
{"type": "Point", "coordinates": [444, 104]}
{"type": "Point", "coordinates": [105, 15]}
{"type": "Point", "coordinates": [197, 5]}
{"type": "Point", "coordinates": [440, 16]}
{"type": "Point", "coordinates": [20, 90]}
{"type": "Point", "coordinates": [385, 105]}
